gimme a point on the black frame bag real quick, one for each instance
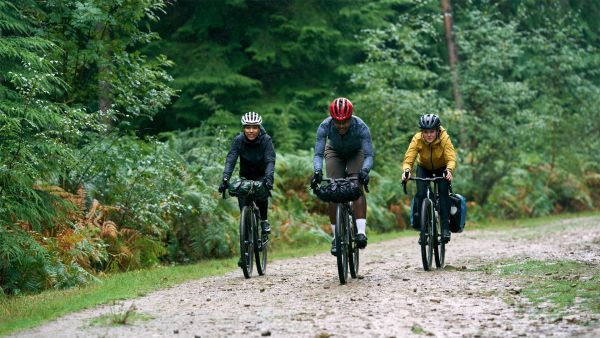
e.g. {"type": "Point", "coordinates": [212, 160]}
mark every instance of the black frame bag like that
{"type": "Point", "coordinates": [339, 192]}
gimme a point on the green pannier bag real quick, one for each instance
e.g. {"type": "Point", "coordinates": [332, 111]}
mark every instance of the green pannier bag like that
{"type": "Point", "coordinates": [241, 187]}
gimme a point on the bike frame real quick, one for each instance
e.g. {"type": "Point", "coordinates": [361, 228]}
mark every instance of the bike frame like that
{"type": "Point", "coordinates": [254, 243]}
{"type": "Point", "coordinates": [347, 252]}
{"type": "Point", "coordinates": [430, 235]}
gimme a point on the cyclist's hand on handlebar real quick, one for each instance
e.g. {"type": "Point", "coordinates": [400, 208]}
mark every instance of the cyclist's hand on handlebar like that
{"type": "Point", "coordinates": [224, 186]}
{"type": "Point", "coordinates": [316, 179]}
{"type": "Point", "coordinates": [363, 177]}
{"type": "Point", "coordinates": [406, 175]}
{"type": "Point", "coordinates": [267, 182]}
{"type": "Point", "coordinates": [448, 174]}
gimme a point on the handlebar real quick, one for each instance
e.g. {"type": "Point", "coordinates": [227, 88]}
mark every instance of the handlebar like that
{"type": "Point", "coordinates": [426, 179]}
{"type": "Point", "coordinates": [339, 179]}
{"type": "Point", "coordinates": [431, 179]}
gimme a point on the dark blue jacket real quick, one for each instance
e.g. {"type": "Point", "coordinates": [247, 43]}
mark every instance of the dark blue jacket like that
{"type": "Point", "coordinates": [358, 137]}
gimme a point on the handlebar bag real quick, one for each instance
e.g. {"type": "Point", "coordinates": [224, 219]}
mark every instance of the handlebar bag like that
{"type": "Point", "coordinates": [339, 192]}
{"type": "Point", "coordinates": [242, 187]}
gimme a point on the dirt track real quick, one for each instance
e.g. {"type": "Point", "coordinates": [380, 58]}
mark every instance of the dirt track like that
{"type": "Point", "coordinates": [393, 297]}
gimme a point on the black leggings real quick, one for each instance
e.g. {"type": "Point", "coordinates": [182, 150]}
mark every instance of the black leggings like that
{"type": "Point", "coordinates": [444, 190]}
{"type": "Point", "coordinates": [263, 206]}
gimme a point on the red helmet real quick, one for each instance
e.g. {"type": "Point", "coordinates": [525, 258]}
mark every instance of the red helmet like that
{"type": "Point", "coordinates": [340, 109]}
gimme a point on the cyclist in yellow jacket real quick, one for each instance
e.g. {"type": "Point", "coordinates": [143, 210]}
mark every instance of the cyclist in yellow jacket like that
{"type": "Point", "coordinates": [435, 155]}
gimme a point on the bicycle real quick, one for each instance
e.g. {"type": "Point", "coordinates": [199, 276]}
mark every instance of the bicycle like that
{"type": "Point", "coordinates": [251, 243]}
{"type": "Point", "coordinates": [345, 231]}
{"type": "Point", "coordinates": [430, 236]}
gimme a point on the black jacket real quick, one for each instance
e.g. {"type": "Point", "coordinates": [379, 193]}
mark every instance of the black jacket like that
{"type": "Point", "coordinates": [257, 158]}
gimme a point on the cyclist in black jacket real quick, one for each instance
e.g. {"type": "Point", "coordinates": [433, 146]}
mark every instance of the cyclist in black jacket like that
{"type": "Point", "coordinates": [257, 161]}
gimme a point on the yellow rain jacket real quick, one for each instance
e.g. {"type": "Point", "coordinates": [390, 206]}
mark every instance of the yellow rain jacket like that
{"type": "Point", "coordinates": [435, 155]}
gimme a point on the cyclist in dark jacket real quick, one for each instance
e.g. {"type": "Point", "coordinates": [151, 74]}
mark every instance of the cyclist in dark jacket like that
{"type": "Point", "coordinates": [344, 141]}
{"type": "Point", "coordinates": [257, 160]}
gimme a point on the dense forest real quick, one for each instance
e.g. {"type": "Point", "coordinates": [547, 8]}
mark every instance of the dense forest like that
{"type": "Point", "coordinates": [115, 117]}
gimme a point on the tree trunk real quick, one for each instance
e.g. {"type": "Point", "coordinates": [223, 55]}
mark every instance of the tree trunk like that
{"type": "Point", "coordinates": [104, 90]}
{"type": "Point", "coordinates": [452, 59]}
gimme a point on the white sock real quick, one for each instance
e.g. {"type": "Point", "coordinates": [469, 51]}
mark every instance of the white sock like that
{"type": "Point", "coordinates": [361, 225]}
{"type": "Point", "coordinates": [333, 230]}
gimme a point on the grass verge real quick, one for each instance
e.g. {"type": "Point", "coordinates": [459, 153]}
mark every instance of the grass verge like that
{"type": "Point", "coordinates": [27, 311]}
{"type": "Point", "coordinates": [530, 222]}
{"type": "Point", "coordinates": [558, 284]}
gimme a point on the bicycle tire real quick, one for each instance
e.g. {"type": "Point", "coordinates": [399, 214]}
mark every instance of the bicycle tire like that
{"type": "Point", "coordinates": [341, 219]}
{"type": "Point", "coordinates": [260, 246]}
{"type": "Point", "coordinates": [246, 243]}
{"type": "Point", "coordinates": [427, 238]}
{"type": "Point", "coordinates": [439, 248]}
{"type": "Point", "coordinates": [353, 251]}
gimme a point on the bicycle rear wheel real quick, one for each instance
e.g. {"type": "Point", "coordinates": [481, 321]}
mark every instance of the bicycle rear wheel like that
{"type": "Point", "coordinates": [341, 243]}
{"type": "Point", "coordinates": [353, 251]}
{"type": "Point", "coordinates": [439, 248]}
{"type": "Point", "coordinates": [260, 246]}
{"type": "Point", "coordinates": [427, 233]}
{"type": "Point", "coordinates": [246, 243]}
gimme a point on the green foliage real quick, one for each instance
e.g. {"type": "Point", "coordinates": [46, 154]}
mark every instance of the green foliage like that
{"type": "Point", "coordinates": [398, 82]}
{"type": "Point", "coordinates": [531, 95]}
{"type": "Point", "coordinates": [295, 214]}
{"type": "Point", "coordinates": [528, 92]}
{"type": "Point", "coordinates": [27, 266]}
{"type": "Point", "coordinates": [205, 225]}
{"type": "Point", "coordinates": [53, 68]}
{"type": "Point", "coordinates": [284, 59]}
{"type": "Point", "coordinates": [100, 58]}
{"type": "Point", "coordinates": [500, 118]}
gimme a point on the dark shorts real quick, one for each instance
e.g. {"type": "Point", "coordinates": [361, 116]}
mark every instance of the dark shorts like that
{"type": "Point", "coordinates": [337, 164]}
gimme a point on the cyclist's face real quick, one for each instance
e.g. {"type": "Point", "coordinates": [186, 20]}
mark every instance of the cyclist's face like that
{"type": "Point", "coordinates": [429, 135]}
{"type": "Point", "coordinates": [251, 132]}
{"type": "Point", "coordinates": [342, 126]}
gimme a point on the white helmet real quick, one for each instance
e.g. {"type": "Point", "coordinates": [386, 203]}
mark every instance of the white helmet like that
{"type": "Point", "coordinates": [251, 118]}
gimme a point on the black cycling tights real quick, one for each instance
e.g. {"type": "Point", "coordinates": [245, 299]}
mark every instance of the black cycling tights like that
{"type": "Point", "coordinates": [443, 186]}
{"type": "Point", "coordinates": [263, 206]}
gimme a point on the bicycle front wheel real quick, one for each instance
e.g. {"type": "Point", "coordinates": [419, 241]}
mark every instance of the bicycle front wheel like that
{"type": "Point", "coordinates": [353, 252]}
{"type": "Point", "coordinates": [260, 246]}
{"type": "Point", "coordinates": [341, 243]}
{"type": "Point", "coordinates": [427, 233]}
{"type": "Point", "coordinates": [439, 248]}
{"type": "Point", "coordinates": [246, 242]}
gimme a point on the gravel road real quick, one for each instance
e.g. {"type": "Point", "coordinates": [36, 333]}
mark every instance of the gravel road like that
{"type": "Point", "coordinates": [393, 296]}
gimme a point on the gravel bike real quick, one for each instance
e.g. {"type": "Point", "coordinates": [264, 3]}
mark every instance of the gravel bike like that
{"type": "Point", "coordinates": [430, 236]}
{"type": "Point", "coordinates": [347, 252]}
{"type": "Point", "coordinates": [254, 243]}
